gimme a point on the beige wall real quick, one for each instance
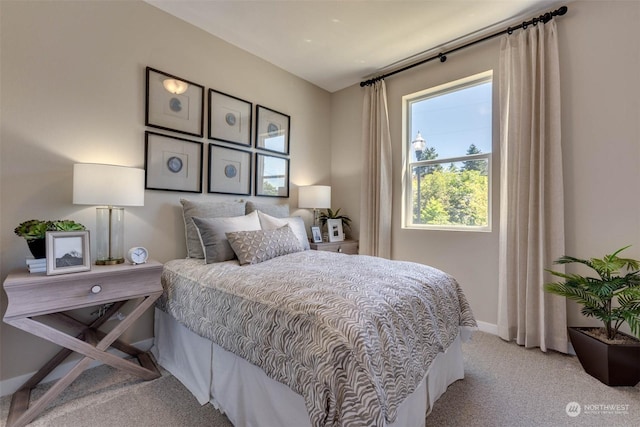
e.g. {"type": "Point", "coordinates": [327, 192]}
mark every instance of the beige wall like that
{"type": "Point", "coordinates": [72, 82]}
{"type": "Point", "coordinates": [600, 64]}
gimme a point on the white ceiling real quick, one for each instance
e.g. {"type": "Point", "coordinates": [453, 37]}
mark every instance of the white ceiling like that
{"type": "Point", "coordinates": [337, 43]}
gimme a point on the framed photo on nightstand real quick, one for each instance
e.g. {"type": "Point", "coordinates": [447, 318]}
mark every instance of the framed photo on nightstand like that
{"type": "Point", "coordinates": [67, 252]}
{"type": "Point", "coordinates": [316, 235]}
{"type": "Point", "coordinates": [335, 230]}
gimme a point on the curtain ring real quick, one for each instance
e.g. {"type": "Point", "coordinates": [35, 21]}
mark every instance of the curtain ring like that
{"type": "Point", "coordinates": [524, 25]}
{"type": "Point", "coordinates": [509, 30]}
{"type": "Point", "coordinates": [442, 57]}
{"type": "Point", "coordinates": [535, 21]}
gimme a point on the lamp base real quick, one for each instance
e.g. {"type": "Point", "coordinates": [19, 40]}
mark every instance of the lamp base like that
{"type": "Point", "coordinates": [111, 261]}
{"type": "Point", "coordinates": [316, 217]}
{"type": "Point", "coordinates": [109, 235]}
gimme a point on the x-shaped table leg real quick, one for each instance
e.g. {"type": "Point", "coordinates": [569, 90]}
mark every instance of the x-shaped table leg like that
{"type": "Point", "coordinates": [21, 413]}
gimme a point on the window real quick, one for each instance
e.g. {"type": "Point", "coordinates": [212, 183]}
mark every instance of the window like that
{"type": "Point", "coordinates": [447, 156]}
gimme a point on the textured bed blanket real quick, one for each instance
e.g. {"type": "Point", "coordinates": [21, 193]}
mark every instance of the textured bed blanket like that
{"type": "Point", "coordinates": [354, 335]}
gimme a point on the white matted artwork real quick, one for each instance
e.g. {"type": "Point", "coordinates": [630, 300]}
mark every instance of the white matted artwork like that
{"type": "Point", "coordinates": [229, 170]}
{"type": "Point", "coordinates": [334, 227]}
{"type": "Point", "coordinates": [229, 118]}
{"type": "Point", "coordinates": [173, 164]}
{"type": "Point", "coordinates": [272, 130]}
{"type": "Point", "coordinates": [173, 103]}
{"type": "Point", "coordinates": [67, 252]}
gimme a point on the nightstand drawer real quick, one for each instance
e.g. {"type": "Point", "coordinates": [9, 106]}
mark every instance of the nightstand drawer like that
{"type": "Point", "coordinates": [33, 295]}
{"type": "Point", "coordinates": [349, 247]}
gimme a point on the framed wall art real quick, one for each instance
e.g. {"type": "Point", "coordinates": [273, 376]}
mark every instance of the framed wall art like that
{"type": "Point", "coordinates": [229, 118]}
{"type": "Point", "coordinates": [229, 170]}
{"type": "Point", "coordinates": [334, 226]}
{"type": "Point", "coordinates": [272, 176]}
{"type": "Point", "coordinates": [67, 252]}
{"type": "Point", "coordinates": [173, 103]}
{"type": "Point", "coordinates": [172, 164]}
{"type": "Point", "coordinates": [272, 130]}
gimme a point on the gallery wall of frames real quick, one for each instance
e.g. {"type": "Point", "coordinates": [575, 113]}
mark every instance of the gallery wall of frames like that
{"type": "Point", "coordinates": [237, 164]}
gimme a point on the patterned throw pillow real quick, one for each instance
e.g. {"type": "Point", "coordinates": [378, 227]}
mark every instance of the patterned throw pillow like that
{"type": "Point", "coordinates": [253, 247]}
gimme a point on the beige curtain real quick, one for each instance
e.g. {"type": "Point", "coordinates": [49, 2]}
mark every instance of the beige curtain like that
{"type": "Point", "coordinates": [531, 187]}
{"type": "Point", "coordinates": [375, 203]}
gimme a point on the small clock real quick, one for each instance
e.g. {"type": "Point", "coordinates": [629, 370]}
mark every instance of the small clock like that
{"type": "Point", "coordinates": [137, 255]}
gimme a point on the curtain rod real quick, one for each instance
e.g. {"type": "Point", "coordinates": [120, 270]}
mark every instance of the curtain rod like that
{"type": "Point", "coordinates": [442, 56]}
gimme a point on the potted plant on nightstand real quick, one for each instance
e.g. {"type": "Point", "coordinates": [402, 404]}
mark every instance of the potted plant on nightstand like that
{"type": "Point", "coordinates": [34, 232]}
{"type": "Point", "coordinates": [330, 214]}
{"type": "Point", "coordinates": [605, 353]}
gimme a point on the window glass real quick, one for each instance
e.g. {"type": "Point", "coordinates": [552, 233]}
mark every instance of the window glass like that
{"type": "Point", "coordinates": [448, 137]}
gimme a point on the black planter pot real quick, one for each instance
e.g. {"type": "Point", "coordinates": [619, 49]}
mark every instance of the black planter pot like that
{"type": "Point", "coordinates": [38, 248]}
{"type": "Point", "coordinates": [612, 364]}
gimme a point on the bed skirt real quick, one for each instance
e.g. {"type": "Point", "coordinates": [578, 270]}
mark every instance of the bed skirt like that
{"type": "Point", "coordinates": [249, 398]}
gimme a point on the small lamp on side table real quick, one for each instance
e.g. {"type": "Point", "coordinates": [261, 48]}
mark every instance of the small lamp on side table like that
{"type": "Point", "coordinates": [108, 186]}
{"type": "Point", "coordinates": [314, 197]}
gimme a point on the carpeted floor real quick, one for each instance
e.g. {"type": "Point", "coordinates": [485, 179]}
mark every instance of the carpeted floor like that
{"type": "Point", "coordinates": [505, 385]}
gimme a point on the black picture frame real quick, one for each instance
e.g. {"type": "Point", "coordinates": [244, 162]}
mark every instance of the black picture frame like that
{"type": "Point", "coordinates": [177, 112]}
{"type": "Point", "coordinates": [172, 163]}
{"type": "Point", "coordinates": [272, 176]}
{"type": "Point", "coordinates": [229, 118]}
{"type": "Point", "coordinates": [229, 170]}
{"type": "Point", "coordinates": [272, 130]}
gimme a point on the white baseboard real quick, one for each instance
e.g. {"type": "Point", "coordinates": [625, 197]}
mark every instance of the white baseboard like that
{"type": "Point", "coordinates": [10, 385]}
{"type": "Point", "coordinates": [489, 328]}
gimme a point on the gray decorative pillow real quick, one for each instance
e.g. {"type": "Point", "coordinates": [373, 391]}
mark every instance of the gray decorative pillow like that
{"type": "Point", "coordinates": [213, 234]}
{"type": "Point", "coordinates": [278, 211]}
{"type": "Point", "coordinates": [253, 247]}
{"type": "Point", "coordinates": [268, 222]}
{"type": "Point", "coordinates": [204, 210]}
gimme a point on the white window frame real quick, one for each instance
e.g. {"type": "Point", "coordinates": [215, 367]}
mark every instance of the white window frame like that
{"type": "Point", "coordinates": [408, 162]}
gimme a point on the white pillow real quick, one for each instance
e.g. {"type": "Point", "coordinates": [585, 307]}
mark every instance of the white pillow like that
{"type": "Point", "coordinates": [268, 222]}
{"type": "Point", "coordinates": [212, 232]}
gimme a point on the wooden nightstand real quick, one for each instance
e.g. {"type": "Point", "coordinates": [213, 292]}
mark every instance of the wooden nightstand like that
{"type": "Point", "coordinates": [32, 297]}
{"type": "Point", "coordinates": [347, 247]}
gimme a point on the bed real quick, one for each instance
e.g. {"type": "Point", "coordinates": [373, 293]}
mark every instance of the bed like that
{"type": "Point", "coordinates": [307, 338]}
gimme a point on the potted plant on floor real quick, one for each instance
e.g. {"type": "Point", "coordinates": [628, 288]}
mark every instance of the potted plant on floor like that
{"type": "Point", "coordinates": [34, 232]}
{"type": "Point", "coordinates": [613, 297]}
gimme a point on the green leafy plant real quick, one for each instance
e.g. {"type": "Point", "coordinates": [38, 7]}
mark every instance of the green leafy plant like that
{"type": "Point", "coordinates": [618, 278]}
{"type": "Point", "coordinates": [324, 216]}
{"type": "Point", "coordinates": [34, 229]}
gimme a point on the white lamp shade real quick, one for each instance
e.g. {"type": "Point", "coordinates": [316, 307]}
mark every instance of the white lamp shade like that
{"type": "Point", "coordinates": [107, 185]}
{"type": "Point", "coordinates": [314, 196]}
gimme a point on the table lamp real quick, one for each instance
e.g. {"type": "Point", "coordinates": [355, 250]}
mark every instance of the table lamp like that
{"type": "Point", "coordinates": [314, 197]}
{"type": "Point", "coordinates": [108, 186]}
